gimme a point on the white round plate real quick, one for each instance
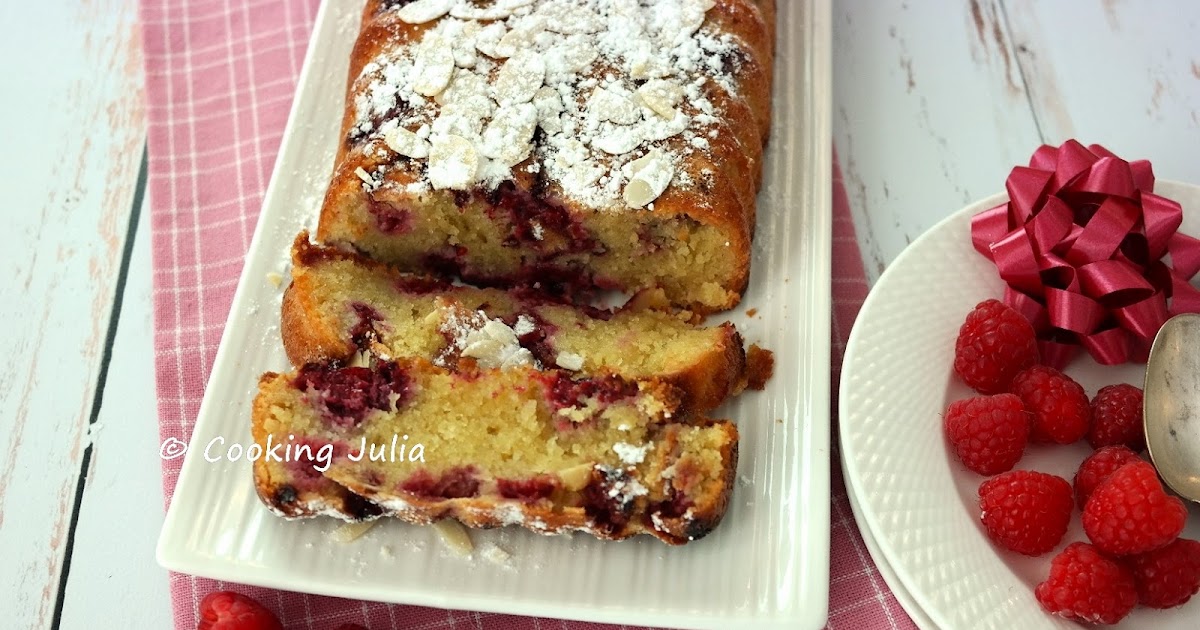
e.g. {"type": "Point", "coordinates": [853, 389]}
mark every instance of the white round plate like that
{"type": "Point", "coordinates": [914, 498]}
{"type": "Point", "coordinates": [901, 593]}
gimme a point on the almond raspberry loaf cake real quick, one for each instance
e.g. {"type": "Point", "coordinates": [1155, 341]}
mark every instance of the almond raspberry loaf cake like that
{"type": "Point", "coordinates": [498, 446]}
{"type": "Point", "coordinates": [340, 303]}
{"type": "Point", "coordinates": [576, 144]}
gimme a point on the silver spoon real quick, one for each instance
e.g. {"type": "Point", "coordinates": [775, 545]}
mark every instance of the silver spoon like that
{"type": "Point", "coordinates": [1171, 406]}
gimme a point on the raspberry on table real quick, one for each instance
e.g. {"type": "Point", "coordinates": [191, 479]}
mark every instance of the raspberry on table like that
{"type": "Point", "coordinates": [1167, 577]}
{"type": "Point", "coordinates": [226, 610]}
{"type": "Point", "coordinates": [1059, 406]}
{"type": "Point", "coordinates": [994, 343]}
{"type": "Point", "coordinates": [988, 433]}
{"type": "Point", "coordinates": [1117, 418]}
{"type": "Point", "coordinates": [1130, 513]}
{"type": "Point", "coordinates": [1086, 586]}
{"type": "Point", "coordinates": [1097, 467]}
{"type": "Point", "coordinates": [1026, 511]}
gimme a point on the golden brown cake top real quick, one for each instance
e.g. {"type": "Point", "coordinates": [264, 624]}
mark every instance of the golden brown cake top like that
{"type": "Point", "coordinates": [605, 98]}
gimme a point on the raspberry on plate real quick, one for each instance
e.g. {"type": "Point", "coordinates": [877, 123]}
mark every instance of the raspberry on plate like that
{"type": "Point", "coordinates": [988, 433]}
{"type": "Point", "coordinates": [1086, 586]}
{"type": "Point", "coordinates": [1097, 467]}
{"type": "Point", "coordinates": [226, 610]}
{"type": "Point", "coordinates": [1130, 512]}
{"type": "Point", "coordinates": [1060, 408]}
{"type": "Point", "coordinates": [1167, 577]}
{"type": "Point", "coordinates": [994, 343]}
{"type": "Point", "coordinates": [1117, 418]}
{"type": "Point", "coordinates": [1026, 511]}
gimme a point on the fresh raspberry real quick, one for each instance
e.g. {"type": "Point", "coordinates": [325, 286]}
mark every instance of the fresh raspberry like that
{"type": "Point", "coordinates": [1026, 511]}
{"type": "Point", "coordinates": [988, 433]}
{"type": "Point", "coordinates": [1097, 467]}
{"type": "Point", "coordinates": [226, 610]}
{"type": "Point", "coordinates": [1131, 513]}
{"type": "Point", "coordinates": [1167, 577]}
{"type": "Point", "coordinates": [1086, 586]}
{"type": "Point", "coordinates": [1117, 418]}
{"type": "Point", "coordinates": [994, 343]}
{"type": "Point", "coordinates": [1059, 405]}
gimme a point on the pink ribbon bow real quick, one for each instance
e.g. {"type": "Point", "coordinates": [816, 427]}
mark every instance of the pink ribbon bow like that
{"type": "Point", "coordinates": [1080, 245]}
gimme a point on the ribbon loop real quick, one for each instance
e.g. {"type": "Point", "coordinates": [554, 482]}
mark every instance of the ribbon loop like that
{"type": "Point", "coordinates": [1080, 245]}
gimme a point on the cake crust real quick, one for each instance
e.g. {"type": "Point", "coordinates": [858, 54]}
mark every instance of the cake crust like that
{"type": "Point", "coordinates": [692, 239]}
{"type": "Point", "coordinates": [311, 332]}
{"type": "Point", "coordinates": [687, 470]}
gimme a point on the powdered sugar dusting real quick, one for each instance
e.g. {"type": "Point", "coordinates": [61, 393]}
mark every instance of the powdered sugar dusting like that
{"type": "Point", "coordinates": [631, 454]}
{"type": "Point", "coordinates": [576, 89]}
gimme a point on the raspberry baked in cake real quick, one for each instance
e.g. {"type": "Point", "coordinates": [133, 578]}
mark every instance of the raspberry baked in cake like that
{"type": "Point", "coordinates": [340, 303]}
{"type": "Point", "coordinates": [498, 446]}
{"type": "Point", "coordinates": [572, 144]}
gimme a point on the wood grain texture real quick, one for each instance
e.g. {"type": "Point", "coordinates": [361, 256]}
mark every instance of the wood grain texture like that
{"type": "Point", "coordinates": [113, 571]}
{"type": "Point", "coordinates": [73, 130]}
{"type": "Point", "coordinates": [1122, 74]}
{"type": "Point", "coordinates": [930, 113]}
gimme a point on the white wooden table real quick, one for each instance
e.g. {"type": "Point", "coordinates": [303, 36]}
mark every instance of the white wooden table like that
{"type": "Point", "coordinates": [934, 101]}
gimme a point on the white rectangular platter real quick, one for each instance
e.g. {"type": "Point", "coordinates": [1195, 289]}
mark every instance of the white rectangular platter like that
{"type": "Point", "coordinates": [766, 566]}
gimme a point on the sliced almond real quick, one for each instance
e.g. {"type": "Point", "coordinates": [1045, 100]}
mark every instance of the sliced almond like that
{"type": "Point", "coordinates": [468, 89]}
{"type": "Point", "coordinates": [406, 143]}
{"type": "Point", "coordinates": [607, 105]}
{"type": "Point", "coordinates": [458, 120]}
{"type": "Point", "coordinates": [520, 37]}
{"type": "Point", "coordinates": [365, 176]}
{"type": "Point", "coordinates": [661, 96]}
{"type": "Point", "coordinates": [569, 361]}
{"type": "Point", "coordinates": [517, 358]}
{"type": "Point", "coordinates": [489, 37]}
{"type": "Point", "coordinates": [500, 331]}
{"type": "Point", "coordinates": [486, 350]}
{"type": "Point", "coordinates": [509, 136]}
{"type": "Point", "coordinates": [576, 478]}
{"type": "Point", "coordinates": [691, 18]}
{"type": "Point", "coordinates": [576, 55]}
{"type": "Point", "coordinates": [465, 54]}
{"type": "Point", "coordinates": [350, 532]}
{"type": "Point", "coordinates": [549, 109]}
{"type": "Point", "coordinates": [453, 162]}
{"type": "Point", "coordinates": [519, 78]}
{"type": "Point", "coordinates": [495, 554]}
{"type": "Point", "coordinates": [649, 180]}
{"type": "Point", "coordinates": [454, 536]}
{"type": "Point", "coordinates": [433, 66]}
{"type": "Point", "coordinates": [669, 128]}
{"type": "Point", "coordinates": [423, 11]}
{"type": "Point", "coordinates": [633, 167]}
{"type": "Point", "coordinates": [359, 359]}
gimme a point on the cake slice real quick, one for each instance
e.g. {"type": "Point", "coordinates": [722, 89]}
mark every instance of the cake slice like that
{"type": "Point", "coordinates": [340, 303]}
{"type": "Point", "coordinates": [544, 449]}
{"type": "Point", "coordinates": [577, 144]}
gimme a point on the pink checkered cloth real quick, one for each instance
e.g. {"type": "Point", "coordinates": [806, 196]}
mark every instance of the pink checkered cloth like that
{"type": "Point", "coordinates": [220, 76]}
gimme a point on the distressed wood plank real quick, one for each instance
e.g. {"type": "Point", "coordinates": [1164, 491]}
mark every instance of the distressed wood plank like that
{"type": "Point", "coordinates": [1122, 74]}
{"type": "Point", "coordinates": [73, 130]}
{"type": "Point", "coordinates": [930, 113]}
{"type": "Point", "coordinates": [113, 571]}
